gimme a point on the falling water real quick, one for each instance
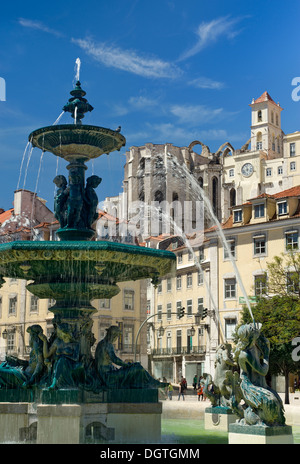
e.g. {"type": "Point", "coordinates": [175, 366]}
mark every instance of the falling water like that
{"type": "Point", "coordinates": [58, 119]}
{"type": "Point", "coordinates": [199, 193]}
{"type": "Point", "coordinates": [157, 214]}
{"type": "Point", "coordinates": [75, 115]}
{"type": "Point", "coordinates": [77, 69]}
{"type": "Point", "coordinates": [28, 161]}
{"type": "Point", "coordinates": [35, 191]}
{"type": "Point", "coordinates": [22, 162]}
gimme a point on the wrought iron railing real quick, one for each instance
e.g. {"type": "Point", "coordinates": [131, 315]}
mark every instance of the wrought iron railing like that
{"type": "Point", "coordinates": [178, 350]}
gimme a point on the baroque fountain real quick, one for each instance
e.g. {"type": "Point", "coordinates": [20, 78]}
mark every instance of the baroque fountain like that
{"type": "Point", "coordinates": [63, 391]}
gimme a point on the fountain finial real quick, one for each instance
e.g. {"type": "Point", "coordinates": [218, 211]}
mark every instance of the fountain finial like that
{"type": "Point", "coordinates": [78, 105]}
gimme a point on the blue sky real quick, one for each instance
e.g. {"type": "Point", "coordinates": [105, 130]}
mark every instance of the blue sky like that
{"type": "Point", "coordinates": [166, 71]}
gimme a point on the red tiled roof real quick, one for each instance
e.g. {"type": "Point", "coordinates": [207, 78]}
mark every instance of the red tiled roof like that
{"type": "Point", "coordinates": [292, 192]}
{"type": "Point", "coordinates": [264, 97]}
{"type": "Point", "coordinates": [6, 215]}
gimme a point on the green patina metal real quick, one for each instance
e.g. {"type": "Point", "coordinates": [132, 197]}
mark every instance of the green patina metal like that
{"type": "Point", "coordinates": [74, 271]}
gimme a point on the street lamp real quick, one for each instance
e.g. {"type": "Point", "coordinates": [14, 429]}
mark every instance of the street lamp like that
{"type": "Point", "coordinates": [161, 331]}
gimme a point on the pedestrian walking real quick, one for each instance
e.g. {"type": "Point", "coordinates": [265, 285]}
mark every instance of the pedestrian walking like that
{"type": "Point", "coordinates": [182, 388]}
{"type": "Point", "coordinates": [170, 391]}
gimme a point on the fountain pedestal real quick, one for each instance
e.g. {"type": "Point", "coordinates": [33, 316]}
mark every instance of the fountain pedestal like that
{"type": "Point", "coordinates": [82, 421]}
{"type": "Point", "coordinates": [218, 418]}
{"type": "Point", "coordinates": [260, 435]}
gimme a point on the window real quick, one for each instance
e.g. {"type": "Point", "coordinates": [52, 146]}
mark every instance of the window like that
{"type": "Point", "coordinates": [231, 246]}
{"type": "Point", "coordinates": [148, 306]}
{"type": "Point", "coordinates": [178, 282]}
{"type": "Point", "coordinates": [260, 245]}
{"type": "Point", "coordinates": [269, 172]}
{"type": "Point", "coordinates": [230, 288]}
{"type": "Point", "coordinates": [159, 287]}
{"type": "Point", "coordinates": [292, 282]}
{"type": "Point", "coordinates": [159, 312]}
{"type": "Point", "coordinates": [169, 342]}
{"type": "Point", "coordinates": [282, 207]}
{"type": "Point", "coordinates": [129, 299]}
{"type": "Point", "coordinates": [292, 149]}
{"type": "Point", "coordinates": [104, 303]}
{"type": "Point", "coordinates": [190, 255]}
{"type": "Point", "coordinates": [260, 285]}
{"type": "Point", "coordinates": [169, 285]}
{"type": "Point", "coordinates": [178, 308]}
{"type": "Point", "coordinates": [291, 240]}
{"type": "Point", "coordinates": [293, 166]}
{"type": "Point", "coordinates": [259, 211]}
{"type": "Point", "coordinates": [230, 325]}
{"type": "Point", "coordinates": [169, 311]}
{"type": "Point", "coordinates": [34, 304]}
{"type": "Point", "coordinates": [280, 170]}
{"type": "Point", "coordinates": [200, 305]}
{"type": "Point", "coordinates": [200, 277]}
{"type": "Point", "coordinates": [128, 338]}
{"type": "Point", "coordinates": [259, 116]}
{"type": "Point", "coordinates": [189, 307]}
{"type": "Point", "coordinates": [231, 172]}
{"type": "Point", "coordinates": [12, 306]}
{"type": "Point", "coordinates": [179, 258]}
{"type": "Point", "coordinates": [258, 145]}
{"type": "Point", "coordinates": [189, 280]}
{"type": "Point", "coordinates": [237, 215]}
{"type": "Point", "coordinates": [201, 254]}
{"type": "Point", "coordinates": [11, 341]}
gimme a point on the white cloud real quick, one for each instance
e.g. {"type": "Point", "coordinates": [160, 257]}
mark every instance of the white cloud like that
{"type": "Point", "coordinates": [128, 60]}
{"type": "Point", "coordinates": [206, 83]}
{"type": "Point", "coordinates": [210, 32]}
{"type": "Point", "coordinates": [195, 114]}
{"type": "Point", "coordinates": [39, 26]}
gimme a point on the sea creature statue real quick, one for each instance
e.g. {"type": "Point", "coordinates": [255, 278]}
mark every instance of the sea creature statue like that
{"type": "Point", "coordinates": [224, 389]}
{"type": "Point", "coordinates": [263, 406]}
{"type": "Point", "coordinates": [127, 375]}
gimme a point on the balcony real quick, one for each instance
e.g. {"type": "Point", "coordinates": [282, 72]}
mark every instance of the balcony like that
{"type": "Point", "coordinates": [179, 351]}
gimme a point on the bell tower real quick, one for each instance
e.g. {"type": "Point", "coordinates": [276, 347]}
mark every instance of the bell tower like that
{"type": "Point", "coordinates": [266, 133]}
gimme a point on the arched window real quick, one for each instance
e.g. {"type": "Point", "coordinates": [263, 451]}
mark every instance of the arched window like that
{"type": "Point", "coordinates": [215, 194]}
{"type": "Point", "coordinates": [259, 141]}
{"type": "Point", "coordinates": [158, 196]}
{"type": "Point", "coordinates": [232, 195]}
{"type": "Point", "coordinates": [200, 180]}
{"type": "Point", "coordinates": [259, 116]}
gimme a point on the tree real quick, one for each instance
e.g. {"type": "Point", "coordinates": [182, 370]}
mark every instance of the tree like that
{"type": "Point", "coordinates": [284, 275]}
{"type": "Point", "coordinates": [280, 319]}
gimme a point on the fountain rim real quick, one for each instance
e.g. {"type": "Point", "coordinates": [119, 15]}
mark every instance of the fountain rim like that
{"type": "Point", "coordinates": [158, 262]}
{"type": "Point", "coordinates": [86, 246]}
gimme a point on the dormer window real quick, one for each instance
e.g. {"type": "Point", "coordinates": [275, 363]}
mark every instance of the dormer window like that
{"type": "Point", "coordinates": [259, 211]}
{"type": "Point", "coordinates": [282, 208]}
{"type": "Point", "coordinates": [237, 215]}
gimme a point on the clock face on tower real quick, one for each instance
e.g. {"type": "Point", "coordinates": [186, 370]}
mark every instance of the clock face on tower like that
{"type": "Point", "coordinates": [247, 169]}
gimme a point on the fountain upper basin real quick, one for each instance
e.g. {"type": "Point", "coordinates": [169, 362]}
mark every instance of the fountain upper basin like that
{"type": "Point", "coordinates": [71, 141]}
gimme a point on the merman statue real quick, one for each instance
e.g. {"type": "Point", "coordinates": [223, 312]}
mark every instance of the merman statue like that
{"type": "Point", "coordinates": [126, 375]}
